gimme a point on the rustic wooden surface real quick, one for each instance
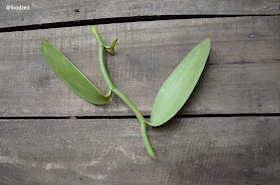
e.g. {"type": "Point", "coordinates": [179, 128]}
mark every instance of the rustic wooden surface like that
{"type": "Point", "coordinates": [240, 150]}
{"type": "Point", "coordinates": [241, 74]}
{"type": "Point", "coordinates": [52, 11]}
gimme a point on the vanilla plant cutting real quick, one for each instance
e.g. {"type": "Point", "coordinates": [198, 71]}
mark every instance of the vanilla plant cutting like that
{"type": "Point", "coordinates": [170, 99]}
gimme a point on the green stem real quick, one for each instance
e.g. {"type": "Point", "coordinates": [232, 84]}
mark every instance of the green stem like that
{"type": "Point", "coordinates": [97, 36]}
{"type": "Point", "coordinates": [140, 118]}
{"type": "Point", "coordinates": [101, 59]}
{"type": "Point", "coordinates": [112, 88]}
{"type": "Point", "coordinates": [146, 140]}
{"type": "Point", "coordinates": [103, 69]}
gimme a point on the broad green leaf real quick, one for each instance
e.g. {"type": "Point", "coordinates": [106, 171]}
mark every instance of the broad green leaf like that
{"type": "Point", "coordinates": [71, 76]}
{"type": "Point", "coordinates": [179, 85]}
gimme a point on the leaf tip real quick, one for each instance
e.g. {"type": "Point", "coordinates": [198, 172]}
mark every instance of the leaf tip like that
{"type": "Point", "coordinates": [44, 41]}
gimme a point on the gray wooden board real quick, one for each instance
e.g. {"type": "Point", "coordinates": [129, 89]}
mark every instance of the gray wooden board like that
{"type": "Point", "coordinates": [241, 74]}
{"type": "Point", "coordinates": [208, 151]}
{"type": "Point", "coordinates": [52, 11]}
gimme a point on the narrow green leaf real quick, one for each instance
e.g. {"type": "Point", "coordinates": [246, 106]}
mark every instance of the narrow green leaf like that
{"type": "Point", "coordinates": [71, 76]}
{"type": "Point", "coordinates": [179, 85]}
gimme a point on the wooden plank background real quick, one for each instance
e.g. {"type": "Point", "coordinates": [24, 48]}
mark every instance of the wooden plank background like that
{"type": "Point", "coordinates": [240, 76]}
{"type": "Point", "coordinates": [218, 145]}
{"type": "Point", "coordinates": [189, 151]}
{"type": "Point", "coordinates": [53, 11]}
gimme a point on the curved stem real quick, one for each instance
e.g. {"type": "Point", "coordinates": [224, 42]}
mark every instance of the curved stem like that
{"type": "Point", "coordinates": [146, 140]}
{"type": "Point", "coordinates": [97, 36]}
{"type": "Point", "coordinates": [103, 69]}
{"type": "Point", "coordinates": [112, 88]}
{"type": "Point", "coordinates": [140, 118]}
{"type": "Point", "coordinates": [101, 59]}
{"type": "Point", "coordinates": [129, 104]}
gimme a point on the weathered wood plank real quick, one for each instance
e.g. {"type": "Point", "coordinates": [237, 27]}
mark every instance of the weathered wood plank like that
{"type": "Point", "coordinates": [51, 11]}
{"type": "Point", "coordinates": [240, 150]}
{"type": "Point", "coordinates": [241, 74]}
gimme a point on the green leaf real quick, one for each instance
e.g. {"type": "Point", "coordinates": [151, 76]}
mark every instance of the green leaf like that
{"type": "Point", "coordinates": [179, 85]}
{"type": "Point", "coordinates": [71, 76]}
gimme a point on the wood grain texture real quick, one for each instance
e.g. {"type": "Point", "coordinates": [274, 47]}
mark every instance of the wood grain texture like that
{"type": "Point", "coordinates": [241, 74]}
{"type": "Point", "coordinates": [51, 11]}
{"type": "Point", "coordinates": [209, 151]}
